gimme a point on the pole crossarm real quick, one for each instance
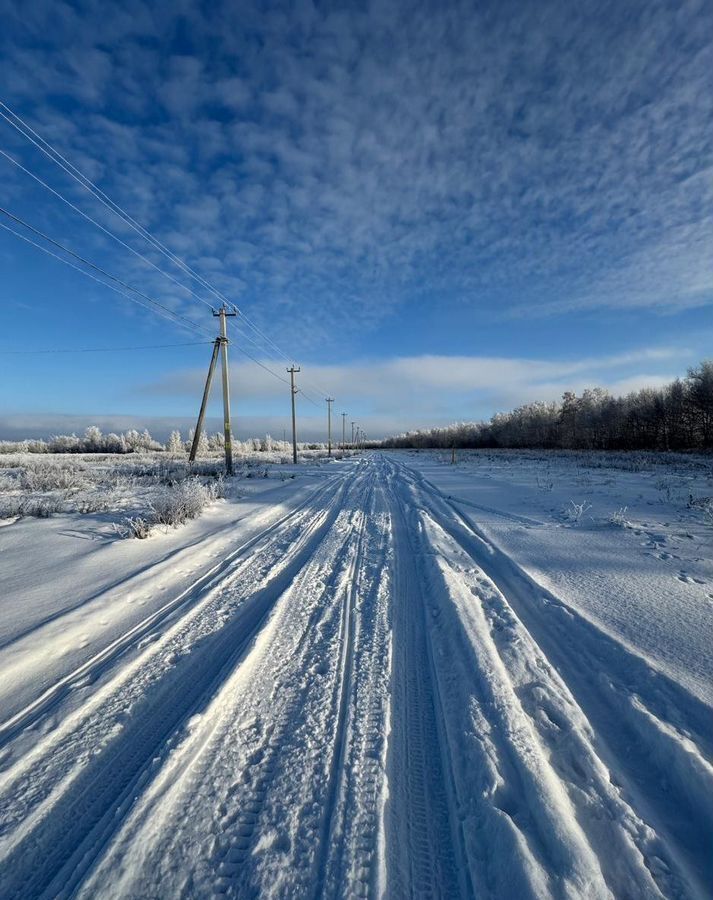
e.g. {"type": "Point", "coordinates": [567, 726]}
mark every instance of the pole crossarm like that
{"type": "Point", "coordinates": [220, 345]}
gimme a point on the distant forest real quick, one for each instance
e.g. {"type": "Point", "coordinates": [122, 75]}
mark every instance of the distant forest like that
{"type": "Point", "coordinates": [676, 417]}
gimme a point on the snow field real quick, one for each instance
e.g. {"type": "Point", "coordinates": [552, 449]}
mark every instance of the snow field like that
{"type": "Point", "coordinates": [372, 693]}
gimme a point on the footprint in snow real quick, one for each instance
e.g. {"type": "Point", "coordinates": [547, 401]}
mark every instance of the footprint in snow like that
{"type": "Point", "coordinates": [689, 579]}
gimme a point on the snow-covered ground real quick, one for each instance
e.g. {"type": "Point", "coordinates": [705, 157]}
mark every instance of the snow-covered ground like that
{"type": "Point", "coordinates": [388, 675]}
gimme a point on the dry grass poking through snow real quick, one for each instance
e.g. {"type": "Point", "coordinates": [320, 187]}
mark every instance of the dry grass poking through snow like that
{"type": "Point", "coordinates": [134, 492]}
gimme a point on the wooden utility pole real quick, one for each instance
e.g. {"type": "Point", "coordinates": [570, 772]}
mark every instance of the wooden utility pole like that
{"type": "Point", "coordinates": [204, 402]}
{"type": "Point", "coordinates": [352, 445]}
{"type": "Point", "coordinates": [344, 432]}
{"type": "Point", "coordinates": [222, 313]}
{"type": "Point", "coordinates": [221, 344]}
{"type": "Point", "coordinates": [329, 401]}
{"type": "Point", "coordinates": [293, 391]}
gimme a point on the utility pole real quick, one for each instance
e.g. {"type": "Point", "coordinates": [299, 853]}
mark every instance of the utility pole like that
{"type": "Point", "coordinates": [221, 344]}
{"type": "Point", "coordinates": [293, 391]}
{"type": "Point", "coordinates": [344, 432]}
{"type": "Point", "coordinates": [204, 402]}
{"type": "Point", "coordinates": [353, 424]}
{"type": "Point", "coordinates": [329, 401]}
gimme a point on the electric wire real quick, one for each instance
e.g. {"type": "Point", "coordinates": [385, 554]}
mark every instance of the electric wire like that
{"type": "Point", "coordinates": [71, 170]}
{"type": "Point", "coordinates": [100, 226]}
{"type": "Point", "coordinates": [169, 314]}
{"type": "Point", "coordinates": [53, 154]}
{"type": "Point", "coordinates": [130, 297]}
{"type": "Point", "coordinates": [86, 262]}
{"type": "Point", "coordinates": [262, 365]}
{"type": "Point", "coordinates": [102, 349]}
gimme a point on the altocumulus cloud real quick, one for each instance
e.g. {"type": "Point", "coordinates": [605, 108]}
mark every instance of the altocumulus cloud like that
{"type": "Point", "coordinates": [337, 164]}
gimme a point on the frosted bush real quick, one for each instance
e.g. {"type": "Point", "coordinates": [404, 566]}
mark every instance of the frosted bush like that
{"type": "Point", "coordinates": [36, 507]}
{"type": "Point", "coordinates": [11, 507]}
{"type": "Point", "coordinates": [136, 527]}
{"type": "Point", "coordinates": [50, 477]}
{"type": "Point", "coordinates": [619, 518]}
{"type": "Point", "coordinates": [184, 502]}
{"type": "Point", "coordinates": [574, 512]}
{"type": "Point", "coordinates": [705, 504]}
{"type": "Point", "coordinates": [44, 507]}
{"type": "Point", "coordinates": [8, 483]}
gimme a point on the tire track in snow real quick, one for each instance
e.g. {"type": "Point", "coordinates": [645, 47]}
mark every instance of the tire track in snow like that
{"type": "Point", "coordinates": [349, 863]}
{"type": "Point", "coordinates": [98, 664]}
{"type": "Point", "coordinates": [63, 801]}
{"type": "Point", "coordinates": [262, 771]}
{"type": "Point", "coordinates": [646, 733]}
{"type": "Point", "coordinates": [294, 734]}
{"type": "Point", "coordinates": [426, 854]}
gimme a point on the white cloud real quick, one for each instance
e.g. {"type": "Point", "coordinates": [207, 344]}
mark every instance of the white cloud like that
{"type": "Point", "coordinates": [417, 391]}
{"type": "Point", "coordinates": [340, 164]}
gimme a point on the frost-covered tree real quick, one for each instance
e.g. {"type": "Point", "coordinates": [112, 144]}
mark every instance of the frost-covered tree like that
{"type": "Point", "coordinates": [175, 444]}
{"type": "Point", "coordinates": [676, 417]}
{"type": "Point", "coordinates": [700, 395]}
{"type": "Point", "coordinates": [93, 439]}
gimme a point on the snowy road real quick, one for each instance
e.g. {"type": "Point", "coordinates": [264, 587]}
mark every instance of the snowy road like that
{"type": "Point", "coordinates": [367, 697]}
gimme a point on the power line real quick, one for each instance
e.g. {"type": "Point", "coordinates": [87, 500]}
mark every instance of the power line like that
{"type": "Point", "coordinates": [104, 349]}
{"type": "Point", "coordinates": [84, 181]}
{"type": "Point", "coordinates": [86, 262]}
{"type": "Point", "coordinates": [130, 297]}
{"type": "Point", "coordinates": [64, 164]}
{"type": "Point", "coordinates": [52, 153]}
{"type": "Point", "coordinates": [102, 227]}
{"type": "Point", "coordinates": [169, 316]}
{"type": "Point", "coordinates": [262, 365]}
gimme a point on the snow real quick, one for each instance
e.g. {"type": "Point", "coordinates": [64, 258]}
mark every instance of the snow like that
{"type": "Point", "coordinates": [648, 584]}
{"type": "Point", "coordinates": [386, 676]}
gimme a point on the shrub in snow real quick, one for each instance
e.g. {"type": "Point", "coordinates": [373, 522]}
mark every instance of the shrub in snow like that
{"type": "Point", "coordinates": [705, 504]}
{"type": "Point", "coordinates": [8, 483]}
{"type": "Point", "coordinates": [574, 512]}
{"type": "Point", "coordinates": [44, 507]}
{"type": "Point", "coordinates": [184, 502]}
{"type": "Point", "coordinates": [665, 485]}
{"type": "Point", "coordinates": [64, 443]}
{"type": "Point", "coordinates": [11, 507]}
{"type": "Point", "coordinates": [95, 502]}
{"type": "Point", "coordinates": [37, 507]}
{"type": "Point", "coordinates": [49, 476]}
{"type": "Point", "coordinates": [136, 527]}
{"type": "Point", "coordinates": [29, 446]}
{"type": "Point", "coordinates": [619, 518]}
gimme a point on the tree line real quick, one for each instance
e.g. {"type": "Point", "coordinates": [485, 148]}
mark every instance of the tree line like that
{"type": "Point", "coordinates": [678, 416]}
{"type": "Point", "coordinates": [95, 441]}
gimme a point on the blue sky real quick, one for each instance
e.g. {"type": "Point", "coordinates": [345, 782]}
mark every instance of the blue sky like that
{"type": "Point", "coordinates": [439, 210]}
